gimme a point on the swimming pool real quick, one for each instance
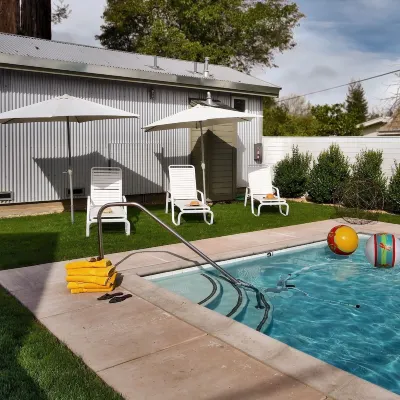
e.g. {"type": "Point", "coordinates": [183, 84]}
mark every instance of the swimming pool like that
{"type": "Point", "coordinates": [319, 315]}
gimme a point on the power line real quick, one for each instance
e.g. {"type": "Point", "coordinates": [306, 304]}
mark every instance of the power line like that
{"type": "Point", "coordinates": [339, 86]}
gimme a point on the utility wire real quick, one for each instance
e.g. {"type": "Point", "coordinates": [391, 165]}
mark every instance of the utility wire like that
{"type": "Point", "coordinates": [339, 86]}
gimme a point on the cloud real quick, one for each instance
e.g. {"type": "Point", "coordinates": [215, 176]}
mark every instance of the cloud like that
{"type": "Point", "coordinates": [83, 23]}
{"type": "Point", "coordinates": [332, 49]}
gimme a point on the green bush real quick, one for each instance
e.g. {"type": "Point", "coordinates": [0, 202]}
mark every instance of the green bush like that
{"type": "Point", "coordinates": [368, 181]}
{"type": "Point", "coordinates": [393, 197]}
{"type": "Point", "coordinates": [292, 174]}
{"type": "Point", "coordinates": [330, 171]}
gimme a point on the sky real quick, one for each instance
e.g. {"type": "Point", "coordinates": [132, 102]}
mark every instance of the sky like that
{"type": "Point", "coordinates": [337, 41]}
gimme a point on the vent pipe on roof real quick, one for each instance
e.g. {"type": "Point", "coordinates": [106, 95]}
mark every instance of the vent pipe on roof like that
{"type": "Point", "coordinates": [206, 72]}
{"type": "Point", "coordinates": [195, 67]}
{"type": "Point", "coordinates": [155, 62]}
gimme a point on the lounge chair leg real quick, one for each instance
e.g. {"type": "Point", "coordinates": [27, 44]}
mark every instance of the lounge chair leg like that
{"type": "Point", "coordinates": [287, 210]}
{"type": "Point", "coordinates": [88, 229]}
{"type": "Point", "coordinates": [179, 218]}
{"type": "Point", "coordinates": [166, 203]}
{"type": "Point", "coordinates": [173, 215]}
{"type": "Point", "coordinates": [127, 228]}
{"type": "Point", "coordinates": [245, 197]}
{"type": "Point", "coordinates": [211, 217]}
{"type": "Point", "coordinates": [259, 210]}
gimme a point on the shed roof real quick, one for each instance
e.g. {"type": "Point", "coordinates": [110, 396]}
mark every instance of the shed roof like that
{"type": "Point", "coordinates": [21, 52]}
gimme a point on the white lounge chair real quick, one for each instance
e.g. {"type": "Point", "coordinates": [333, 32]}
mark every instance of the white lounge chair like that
{"type": "Point", "coordinates": [106, 187]}
{"type": "Point", "coordinates": [260, 185]}
{"type": "Point", "coordinates": [183, 191]}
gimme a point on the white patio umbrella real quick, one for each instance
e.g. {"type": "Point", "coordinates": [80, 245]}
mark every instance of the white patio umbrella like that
{"type": "Point", "coordinates": [201, 116]}
{"type": "Point", "coordinates": [64, 108]}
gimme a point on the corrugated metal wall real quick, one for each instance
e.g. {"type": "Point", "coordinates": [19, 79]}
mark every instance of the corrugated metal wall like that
{"type": "Point", "coordinates": [275, 148]}
{"type": "Point", "coordinates": [33, 156]}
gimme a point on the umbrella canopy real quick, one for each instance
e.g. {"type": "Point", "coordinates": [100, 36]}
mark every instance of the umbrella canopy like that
{"type": "Point", "coordinates": [64, 108]}
{"type": "Point", "coordinates": [201, 116]}
{"type": "Point", "coordinates": [207, 115]}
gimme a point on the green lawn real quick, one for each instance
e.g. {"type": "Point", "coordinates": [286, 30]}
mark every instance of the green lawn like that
{"type": "Point", "coordinates": [33, 363]}
{"type": "Point", "coordinates": [45, 238]}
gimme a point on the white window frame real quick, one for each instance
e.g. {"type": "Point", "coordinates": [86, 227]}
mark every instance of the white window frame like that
{"type": "Point", "coordinates": [240, 98]}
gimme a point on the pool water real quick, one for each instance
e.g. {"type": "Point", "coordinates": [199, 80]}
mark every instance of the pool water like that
{"type": "Point", "coordinates": [318, 316]}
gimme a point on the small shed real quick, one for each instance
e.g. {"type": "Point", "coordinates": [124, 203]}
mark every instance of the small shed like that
{"type": "Point", "coordinates": [32, 158]}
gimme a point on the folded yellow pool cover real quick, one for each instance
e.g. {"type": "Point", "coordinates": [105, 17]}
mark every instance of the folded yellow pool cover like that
{"type": "Point", "coordinates": [99, 280]}
{"type": "Point", "coordinates": [89, 264]}
{"type": "Point", "coordinates": [100, 288]}
{"type": "Point", "coordinates": [91, 271]}
{"type": "Point", "coordinates": [83, 290]}
{"type": "Point", "coordinates": [82, 285]}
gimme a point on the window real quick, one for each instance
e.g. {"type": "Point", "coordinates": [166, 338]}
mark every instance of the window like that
{"type": "Point", "coordinates": [240, 104]}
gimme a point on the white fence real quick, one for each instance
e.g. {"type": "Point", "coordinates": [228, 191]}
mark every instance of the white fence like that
{"type": "Point", "coordinates": [275, 148]}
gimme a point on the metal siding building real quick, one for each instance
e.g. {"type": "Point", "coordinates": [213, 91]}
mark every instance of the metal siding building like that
{"type": "Point", "coordinates": [33, 156]}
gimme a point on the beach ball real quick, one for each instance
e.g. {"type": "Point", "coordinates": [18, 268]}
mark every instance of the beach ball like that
{"type": "Point", "coordinates": [343, 240]}
{"type": "Point", "coordinates": [382, 250]}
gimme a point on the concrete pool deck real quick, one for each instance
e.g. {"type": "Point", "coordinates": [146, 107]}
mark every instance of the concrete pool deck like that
{"type": "Point", "coordinates": [158, 345]}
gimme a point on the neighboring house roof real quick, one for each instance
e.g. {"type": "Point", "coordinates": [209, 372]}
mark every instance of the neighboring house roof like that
{"type": "Point", "coordinates": [21, 52]}
{"type": "Point", "coordinates": [392, 127]}
{"type": "Point", "coordinates": [375, 121]}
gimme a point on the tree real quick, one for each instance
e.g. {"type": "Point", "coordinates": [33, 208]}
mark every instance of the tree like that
{"type": "Point", "coordinates": [237, 33]}
{"type": "Point", "coordinates": [296, 105]}
{"type": "Point", "coordinates": [8, 16]}
{"type": "Point", "coordinates": [279, 122]}
{"type": "Point", "coordinates": [333, 120]}
{"type": "Point", "coordinates": [61, 12]}
{"type": "Point", "coordinates": [356, 103]}
{"type": "Point", "coordinates": [31, 17]}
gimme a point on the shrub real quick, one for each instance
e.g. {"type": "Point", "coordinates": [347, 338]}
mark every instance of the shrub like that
{"type": "Point", "coordinates": [368, 181]}
{"type": "Point", "coordinates": [393, 196]}
{"type": "Point", "coordinates": [292, 174]}
{"type": "Point", "coordinates": [328, 173]}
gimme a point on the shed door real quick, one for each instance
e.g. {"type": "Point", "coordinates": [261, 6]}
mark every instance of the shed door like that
{"type": "Point", "coordinates": [220, 158]}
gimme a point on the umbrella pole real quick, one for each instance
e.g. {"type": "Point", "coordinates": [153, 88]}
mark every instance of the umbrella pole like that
{"type": "Point", "coordinates": [71, 190]}
{"type": "Point", "coordinates": [203, 165]}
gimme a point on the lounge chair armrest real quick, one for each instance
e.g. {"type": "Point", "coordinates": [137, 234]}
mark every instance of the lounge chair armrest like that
{"type": "Point", "coordinates": [201, 196]}
{"type": "Point", "coordinates": [277, 191]}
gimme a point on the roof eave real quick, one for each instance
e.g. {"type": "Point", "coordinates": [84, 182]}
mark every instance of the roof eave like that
{"type": "Point", "coordinates": [9, 61]}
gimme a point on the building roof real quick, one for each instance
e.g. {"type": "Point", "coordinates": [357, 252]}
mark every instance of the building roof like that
{"type": "Point", "coordinates": [392, 127]}
{"type": "Point", "coordinates": [21, 52]}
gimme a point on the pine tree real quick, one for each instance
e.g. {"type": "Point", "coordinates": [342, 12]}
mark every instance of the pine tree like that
{"type": "Point", "coordinates": [356, 103]}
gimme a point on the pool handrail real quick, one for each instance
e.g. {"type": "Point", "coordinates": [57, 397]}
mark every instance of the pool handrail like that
{"type": "Point", "coordinates": [231, 278]}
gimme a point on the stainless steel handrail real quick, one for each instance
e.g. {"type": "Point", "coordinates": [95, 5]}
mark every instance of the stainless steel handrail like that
{"type": "Point", "coordinates": [231, 278]}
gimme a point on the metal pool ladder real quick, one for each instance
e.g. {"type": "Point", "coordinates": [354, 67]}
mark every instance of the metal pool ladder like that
{"type": "Point", "coordinates": [261, 302]}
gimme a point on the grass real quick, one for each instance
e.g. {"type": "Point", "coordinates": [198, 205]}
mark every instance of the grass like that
{"type": "Point", "coordinates": [33, 363]}
{"type": "Point", "coordinates": [46, 238]}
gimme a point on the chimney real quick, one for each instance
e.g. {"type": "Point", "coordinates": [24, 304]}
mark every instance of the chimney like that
{"type": "Point", "coordinates": [155, 63]}
{"type": "Point", "coordinates": [195, 67]}
{"type": "Point", "coordinates": [206, 72]}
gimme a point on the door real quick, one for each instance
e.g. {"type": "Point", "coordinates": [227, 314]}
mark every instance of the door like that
{"type": "Point", "coordinates": [220, 157]}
